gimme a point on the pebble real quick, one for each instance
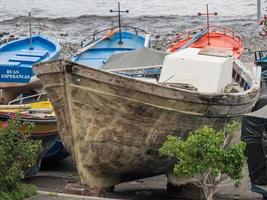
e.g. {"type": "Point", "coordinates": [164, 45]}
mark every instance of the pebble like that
{"type": "Point", "coordinates": [251, 44]}
{"type": "Point", "coordinates": [64, 34]}
{"type": "Point", "coordinates": [3, 34]}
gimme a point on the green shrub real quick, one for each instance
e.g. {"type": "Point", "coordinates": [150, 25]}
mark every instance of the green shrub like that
{"type": "Point", "coordinates": [17, 153]}
{"type": "Point", "coordinates": [204, 156]}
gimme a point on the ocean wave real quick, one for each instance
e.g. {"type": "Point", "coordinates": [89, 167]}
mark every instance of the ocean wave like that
{"type": "Point", "coordinates": [67, 20]}
{"type": "Point", "coordinates": [74, 29]}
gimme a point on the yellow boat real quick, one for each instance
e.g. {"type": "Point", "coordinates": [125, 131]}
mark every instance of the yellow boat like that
{"type": "Point", "coordinates": [38, 110]}
{"type": "Point", "coordinates": [40, 113]}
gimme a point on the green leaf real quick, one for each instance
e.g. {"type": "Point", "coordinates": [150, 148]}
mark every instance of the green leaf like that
{"type": "Point", "coordinates": [17, 153]}
{"type": "Point", "coordinates": [203, 153]}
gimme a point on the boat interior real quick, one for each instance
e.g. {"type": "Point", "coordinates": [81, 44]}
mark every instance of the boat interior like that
{"type": "Point", "coordinates": [101, 49]}
{"type": "Point", "coordinates": [220, 37]}
{"type": "Point", "coordinates": [23, 54]}
{"type": "Point", "coordinates": [31, 107]}
{"type": "Point", "coordinates": [242, 78]}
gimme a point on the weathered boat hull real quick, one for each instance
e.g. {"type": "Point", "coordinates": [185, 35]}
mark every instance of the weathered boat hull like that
{"type": "Point", "coordinates": [114, 125]}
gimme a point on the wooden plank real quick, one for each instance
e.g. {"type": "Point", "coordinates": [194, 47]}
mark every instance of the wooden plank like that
{"type": "Point", "coordinates": [220, 52]}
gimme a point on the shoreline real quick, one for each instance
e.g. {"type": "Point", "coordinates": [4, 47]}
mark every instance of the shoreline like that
{"type": "Point", "coordinates": [71, 31]}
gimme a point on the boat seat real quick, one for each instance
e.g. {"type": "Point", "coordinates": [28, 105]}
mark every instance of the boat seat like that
{"type": "Point", "coordinates": [122, 51]}
{"type": "Point", "coordinates": [215, 36]}
{"type": "Point", "coordinates": [25, 59]}
{"type": "Point", "coordinates": [32, 53]}
{"type": "Point", "coordinates": [93, 58]}
{"type": "Point", "coordinates": [10, 64]}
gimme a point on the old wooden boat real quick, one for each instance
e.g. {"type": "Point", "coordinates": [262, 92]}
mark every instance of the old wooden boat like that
{"type": "Point", "coordinates": [114, 124]}
{"type": "Point", "coordinates": [16, 60]}
{"type": "Point", "coordinates": [209, 35]}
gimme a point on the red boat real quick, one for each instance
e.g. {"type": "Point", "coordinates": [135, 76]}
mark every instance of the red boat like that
{"type": "Point", "coordinates": [213, 36]}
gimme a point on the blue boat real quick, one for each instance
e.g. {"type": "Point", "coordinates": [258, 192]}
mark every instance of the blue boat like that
{"type": "Point", "coordinates": [17, 58]}
{"type": "Point", "coordinates": [56, 153]}
{"type": "Point", "coordinates": [98, 47]}
{"type": "Point", "coordinates": [261, 59]}
{"type": "Point", "coordinates": [96, 52]}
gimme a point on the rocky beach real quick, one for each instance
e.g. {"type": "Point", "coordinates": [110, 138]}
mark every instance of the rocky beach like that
{"type": "Point", "coordinates": [71, 31]}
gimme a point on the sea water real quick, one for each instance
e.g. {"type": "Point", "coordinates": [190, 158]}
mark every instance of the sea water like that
{"type": "Point", "coordinates": [75, 8]}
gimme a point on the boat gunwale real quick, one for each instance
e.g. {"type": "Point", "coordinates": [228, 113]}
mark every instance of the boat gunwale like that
{"type": "Point", "coordinates": [94, 38]}
{"type": "Point", "coordinates": [36, 121]}
{"type": "Point", "coordinates": [199, 97]}
{"type": "Point", "coordinates": [228, 32]}
{"type": "Point", "coordinates": [234, 35]}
